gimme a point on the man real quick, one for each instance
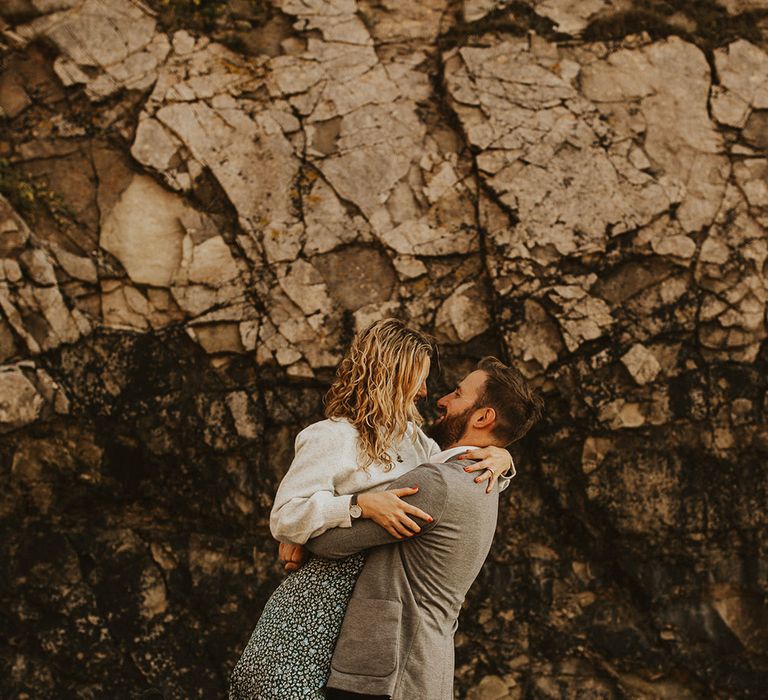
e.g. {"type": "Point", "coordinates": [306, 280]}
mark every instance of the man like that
{"type": "Point", "coordinates": [397, 637]}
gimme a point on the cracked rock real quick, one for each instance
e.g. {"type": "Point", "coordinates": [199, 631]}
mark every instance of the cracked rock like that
{"type": "Point", "coordinates": [21, 403]}
{"type": "Point", "coordinates": [464, 314]}
{"type": "Point", "coordinates": [108, 46]}
{"type": "Point", "coordinates": [546, 151]}
{"type": "Point", "coordinates": [145, 216]}
{"type": "Point", "coordinates": [27, 395]}
{"type": "Point", "coordinates": [202, 202]}
{"type": "Point", "coordinates": [641, 364]}
{"type": "Point", "coordinates": [743, 71]}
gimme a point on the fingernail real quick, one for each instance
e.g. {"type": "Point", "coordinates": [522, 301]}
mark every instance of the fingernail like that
{"type": "Point", "coordinates": [431, 520]}
{"type": "Point", "coordinates": [466, 469]}
{"type": "Point", "coordinates": [477, 481]}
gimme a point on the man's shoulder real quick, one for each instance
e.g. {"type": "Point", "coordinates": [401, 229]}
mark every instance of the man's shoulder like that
{"type": "Point", "coordinates": [432, 471]}
{"type": "Point", "coordinates": [462, 500]}
{"type": "Point", "coordinates": [450, 473]}
{"type": "Point", "coordinates": [454, 465]}
{"type": "Point", "coordinates": [456, 479]}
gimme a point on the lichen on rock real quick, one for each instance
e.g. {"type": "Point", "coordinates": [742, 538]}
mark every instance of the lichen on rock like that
{"type": "Point", "coordinates": [200, 203]}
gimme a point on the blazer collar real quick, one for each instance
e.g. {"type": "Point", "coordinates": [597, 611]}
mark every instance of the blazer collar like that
{"type": "Point", "coordinates": [451, 452]}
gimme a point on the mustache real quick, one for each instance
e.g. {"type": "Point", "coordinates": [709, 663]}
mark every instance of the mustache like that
{"type": "Point", "coordinates": [447, 429]}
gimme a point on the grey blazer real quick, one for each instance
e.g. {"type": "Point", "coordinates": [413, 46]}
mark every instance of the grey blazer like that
{"type": "Point", "coordinates": [397, 635]}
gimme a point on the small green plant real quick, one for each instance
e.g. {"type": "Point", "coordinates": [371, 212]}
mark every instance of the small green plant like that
{"type": "Point", "coordinates": [29, 195]}
{"type": "Point", "coordinates": [18, 191]}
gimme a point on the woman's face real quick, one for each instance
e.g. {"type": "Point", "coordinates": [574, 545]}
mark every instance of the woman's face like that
{"type": "Point", "coordinates": [421, 392]}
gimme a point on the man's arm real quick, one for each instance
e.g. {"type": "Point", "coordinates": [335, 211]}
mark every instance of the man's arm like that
{"type": "Point", "coordinates": [364, 534]}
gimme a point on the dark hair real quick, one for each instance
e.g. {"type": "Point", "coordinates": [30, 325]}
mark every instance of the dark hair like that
{"type": "Point", "coordinates": [518, 406]}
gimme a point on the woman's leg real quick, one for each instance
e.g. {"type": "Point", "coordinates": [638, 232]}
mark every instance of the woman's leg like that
{"type": "Point", "coordinates": [289, 653]}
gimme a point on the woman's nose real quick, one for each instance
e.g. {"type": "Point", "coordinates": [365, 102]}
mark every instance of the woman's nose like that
{"type": "Point", "coordinates": [423, 390]}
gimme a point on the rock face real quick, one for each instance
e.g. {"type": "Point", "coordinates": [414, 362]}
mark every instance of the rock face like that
{"type": "Point", "coordinates": [201, 202]}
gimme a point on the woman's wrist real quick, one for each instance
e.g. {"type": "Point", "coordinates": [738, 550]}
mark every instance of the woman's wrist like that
{"type": "Point", "coordinates": [503, 453]}
{"type": "Point", "coordinates": [363, 501]}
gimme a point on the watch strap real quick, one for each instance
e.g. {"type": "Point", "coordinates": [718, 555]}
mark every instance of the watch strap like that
{"type": "Point", "coordinates": [355, 511]}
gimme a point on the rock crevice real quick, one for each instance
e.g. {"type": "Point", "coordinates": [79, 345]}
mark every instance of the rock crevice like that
{"type": "Point", "coordinates": [200, 203]}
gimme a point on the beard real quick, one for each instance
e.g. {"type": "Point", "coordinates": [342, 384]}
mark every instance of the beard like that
{"type": "Point", "coordinates": [448, 430]}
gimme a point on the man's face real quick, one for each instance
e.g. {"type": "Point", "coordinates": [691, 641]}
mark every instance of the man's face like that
{"type": "Point", "coordinates": [456, 409]}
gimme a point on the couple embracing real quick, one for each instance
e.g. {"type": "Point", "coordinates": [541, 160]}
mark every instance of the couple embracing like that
{"type": "Point", "coordinates": [383, 528]}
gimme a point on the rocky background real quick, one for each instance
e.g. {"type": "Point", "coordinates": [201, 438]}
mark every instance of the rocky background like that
{"type": "Point", "coordinates": [202, 200]}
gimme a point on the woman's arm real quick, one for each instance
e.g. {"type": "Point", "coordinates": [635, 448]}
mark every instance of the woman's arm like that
{"type": "Point", "coordinates": [306, 503]}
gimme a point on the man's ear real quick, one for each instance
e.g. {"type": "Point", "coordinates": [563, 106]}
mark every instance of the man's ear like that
{"type": "Point", "coordinates": [484, 418]}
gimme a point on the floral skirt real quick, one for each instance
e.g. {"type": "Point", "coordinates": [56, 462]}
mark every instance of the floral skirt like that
{"type": "Point", "coordinates": [289, 653]}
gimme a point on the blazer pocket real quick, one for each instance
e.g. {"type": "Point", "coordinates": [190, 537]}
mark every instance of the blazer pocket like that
{"type": "Point", "coordinates": [369, 642]}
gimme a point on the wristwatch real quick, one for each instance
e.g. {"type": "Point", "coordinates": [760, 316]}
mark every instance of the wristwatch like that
{"type": "Point", "coordinates": [355, 511]}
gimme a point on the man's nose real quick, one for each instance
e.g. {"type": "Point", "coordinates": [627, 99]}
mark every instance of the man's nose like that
{"type": "Point", "coordinates": [442, 402]}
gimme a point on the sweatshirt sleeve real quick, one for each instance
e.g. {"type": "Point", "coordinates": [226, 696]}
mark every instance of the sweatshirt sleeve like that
{"type": "Point", "coordinates": [306, 503]}
{"type": "Point", "coordinates": [505, 479]}
{"type": "Point", "coordinates": [364, 534]}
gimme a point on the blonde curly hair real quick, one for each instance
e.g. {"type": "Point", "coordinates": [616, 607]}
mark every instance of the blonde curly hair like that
{"type": "Point", "coordinates": [376, 385]}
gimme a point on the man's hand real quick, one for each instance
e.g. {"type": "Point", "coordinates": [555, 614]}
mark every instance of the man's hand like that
{"type": "Point", "coordinates": [291, 556]}
{"type": "Point", "coordinates": [494, 462]}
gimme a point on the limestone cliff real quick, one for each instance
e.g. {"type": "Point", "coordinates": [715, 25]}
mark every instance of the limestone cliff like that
{"type": "Point", "coordinates": [201, 201]}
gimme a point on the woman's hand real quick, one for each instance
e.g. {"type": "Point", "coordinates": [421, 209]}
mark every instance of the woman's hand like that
{"type": "Point", "coordinates": [291, 556]}
{"type": "Point", "coordinates": [386, 508]}
{"type": "Point", "coordinates": [493, 460]}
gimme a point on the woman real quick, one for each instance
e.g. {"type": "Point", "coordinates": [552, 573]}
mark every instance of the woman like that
{"type": "Point", "coordinates": [370, 437]}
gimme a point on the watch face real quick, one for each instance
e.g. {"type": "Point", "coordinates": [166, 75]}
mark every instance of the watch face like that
{"type": "Point", "coordinates": [355, 511]}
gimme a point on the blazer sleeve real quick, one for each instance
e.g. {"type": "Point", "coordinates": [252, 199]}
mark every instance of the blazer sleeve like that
{"type": "Point", "coordinates": [306, 503]}
{"type": "Point", "coordinates": [364, 534]}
